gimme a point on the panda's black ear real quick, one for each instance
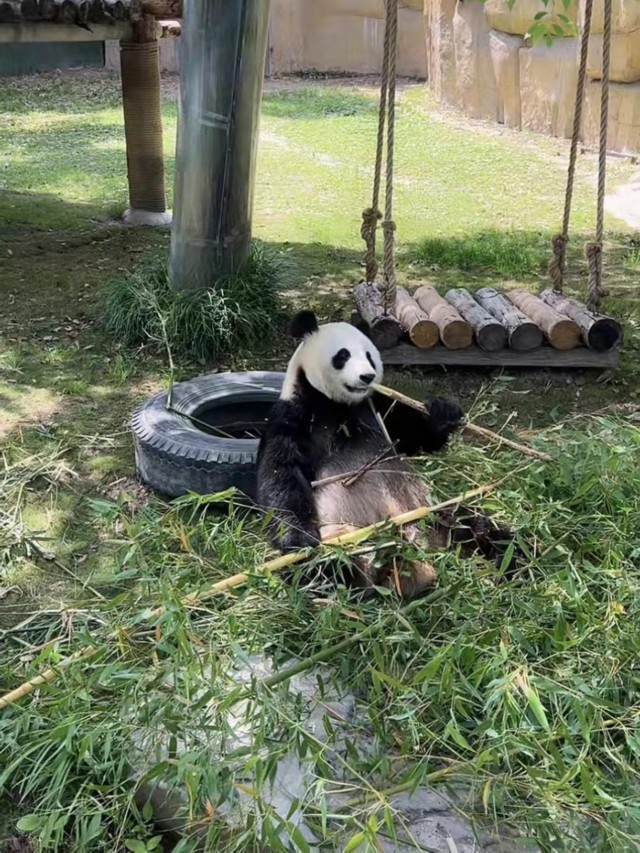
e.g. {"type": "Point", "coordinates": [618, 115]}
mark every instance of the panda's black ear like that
{"type": "Point", "coordinates": [304, 323]}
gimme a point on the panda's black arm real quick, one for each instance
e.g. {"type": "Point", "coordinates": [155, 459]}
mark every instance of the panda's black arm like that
{"type": "Point", "coordinates": [284, 478]}
{"type": "Point", "coordinates": [413, 432]}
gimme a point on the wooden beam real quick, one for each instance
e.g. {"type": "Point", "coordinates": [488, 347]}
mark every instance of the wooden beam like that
{"type": "Point", "coordinates": [21, 33]}
{"type": "Point", "coordinates": [475, 357]}
{"type": "Point", "coordinates": [162, 8]}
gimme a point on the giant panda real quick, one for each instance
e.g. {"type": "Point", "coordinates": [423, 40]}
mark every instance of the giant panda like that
{"type": "Point", "coordinates": [325, 424]}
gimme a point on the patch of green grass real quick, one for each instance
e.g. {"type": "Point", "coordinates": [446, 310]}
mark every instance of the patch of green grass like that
{"type": "Point", "coordinates": [239, 313]}
{"type": "Point", "coordinates": [523, 693]}
{"type": "Point", "coordinates": [633, 259]}
{"type": "Point", "coordinates": [318, 103]}
{"type": "Point", "coordinates": [510, 254]}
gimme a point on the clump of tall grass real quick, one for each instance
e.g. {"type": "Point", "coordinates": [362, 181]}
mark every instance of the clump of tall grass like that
{"type": "Point", "coordinates": [237, 314]}
{"type": "Point", "coordinates": [525, 695]}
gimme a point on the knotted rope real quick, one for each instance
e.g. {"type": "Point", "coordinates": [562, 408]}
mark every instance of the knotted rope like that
{"type": "Point", "coordinates": [559, 243]}
{"type": "Point", "coordinates": [388, 225]}
{"type": "Point", "coordinates": [593, 251]}
{"type": "Point", "coordinates": [371, 215]}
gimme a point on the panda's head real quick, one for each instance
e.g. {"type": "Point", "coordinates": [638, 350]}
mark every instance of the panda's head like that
{"type": "Point", "coordinates": [337, 360]}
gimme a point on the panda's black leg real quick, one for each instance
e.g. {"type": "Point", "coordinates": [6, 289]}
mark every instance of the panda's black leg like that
{"type": "Point", "coordinates": [475, 532]}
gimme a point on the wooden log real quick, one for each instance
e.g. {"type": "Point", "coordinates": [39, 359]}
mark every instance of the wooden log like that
{"type": "Point", "coordinates": [82, 12]}
{"type": "Point", "coordinates": [47, 10]}
{"type": "Point", "coordinates": [10, 11]}
{"type": "Point", "coordinates": [65, 12]}
{"type": "Point", "coordinates": [422, 331]}
{"type": "Point", "coordinates": [545, 357]}
{"type": "Point", "coordinates": [491, 335]}
{"type": "Point", "coordinates": [599, 333]}
{"type": "Point", "coordinates": [97, 11]}
{"type": "Point", "coordinates": [115, 9]}
{"type": "Point", "coordinates": [162, 8]}
{"type": "Point", "coordinates": [29, 10]}
{"type": "Point", "coordinates": [384, 329]}
{"type": "Point", "coordinates": [455, 333]}
{"type": "Point", "coordinates": [562, 333]}
{"type": "Point", "coordinates": [524, 335]}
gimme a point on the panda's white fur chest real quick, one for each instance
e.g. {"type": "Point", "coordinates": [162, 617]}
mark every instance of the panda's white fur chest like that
{"type": "Point", "coordinates": [389, 487]}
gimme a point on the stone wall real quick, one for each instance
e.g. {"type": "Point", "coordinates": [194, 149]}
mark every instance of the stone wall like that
{"type": "Point", "coordinates": [343, 35]}
{"type": "Point", "coordinates": [327, 36]}
{"type": "Point", "coordinates": [475, 56]}
{"type": "Point", "coordinates": [480, 60]}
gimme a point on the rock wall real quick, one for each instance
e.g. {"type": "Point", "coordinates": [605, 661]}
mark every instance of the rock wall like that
{"type": "Point", "coordinates": [479, 59]}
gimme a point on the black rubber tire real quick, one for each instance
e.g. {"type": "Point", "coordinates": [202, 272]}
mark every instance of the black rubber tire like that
{"type": "Point", "coordinates": [173, 456]}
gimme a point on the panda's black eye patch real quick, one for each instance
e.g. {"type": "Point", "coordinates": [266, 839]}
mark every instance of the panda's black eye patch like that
{"type": "Point", "coordinates": [370, 360]}
{"type": "Point", "coordinates": [340, 358]}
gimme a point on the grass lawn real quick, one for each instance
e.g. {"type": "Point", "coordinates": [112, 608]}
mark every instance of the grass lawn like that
{"type": "Point", "coordinates": [526, 693]}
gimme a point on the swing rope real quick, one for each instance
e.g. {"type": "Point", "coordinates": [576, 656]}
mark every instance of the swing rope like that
{"type": "Point", "coordinates": [372, 215]}
{"type": "Point", "coordinates": [593, 251]}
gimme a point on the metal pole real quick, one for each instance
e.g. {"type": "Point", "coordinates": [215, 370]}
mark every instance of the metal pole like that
{"type": "Point", "coordinates": [223, 54]}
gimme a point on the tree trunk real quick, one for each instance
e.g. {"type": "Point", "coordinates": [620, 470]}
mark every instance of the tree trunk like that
{"type": "Point", "coordinates": [384, 330]}
{"type": "Point", "coordinates": [223, 47]}
{"type": "Point", "coordinates": [422, 331]}
{"type": "Point", "coordinates": [491, 336]}
{"type": "Point", "coordinates": [598, 333]}
{"type": "Point", "coordinates": [523, 334]}
{"type": "Point", "coordinates": [562, 333]}
{"type": "Point", "coordinates": [455, 333]}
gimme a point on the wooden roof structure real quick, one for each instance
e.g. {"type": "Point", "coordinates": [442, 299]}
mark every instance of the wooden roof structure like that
{"type": "Point", "coordinates": [86, 20]}
{"type": "Point", "coordinates": [138, 25]}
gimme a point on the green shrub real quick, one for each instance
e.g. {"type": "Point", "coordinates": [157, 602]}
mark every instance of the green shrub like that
{"type": "Point", "coordinates": [240, 313]}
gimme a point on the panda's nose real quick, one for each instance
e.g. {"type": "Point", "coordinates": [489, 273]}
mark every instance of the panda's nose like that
{"type": "Point", "coordinates": [367, 378]}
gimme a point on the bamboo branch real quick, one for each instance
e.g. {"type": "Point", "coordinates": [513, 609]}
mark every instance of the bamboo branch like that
{"type": "Point", "coordinates": [352, 538]}
{"type": "Point", "coordinates": [474, 429]}
{"type": "Point", "coordinates": [278, 564]}
{"type": "Point", "coordinates": [48, 675]}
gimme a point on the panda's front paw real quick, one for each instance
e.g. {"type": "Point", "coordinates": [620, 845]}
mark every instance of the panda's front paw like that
{"type": "Point", "coordinates": [297, 539]}
{"type": "Point", "coordinates": [445, 416]}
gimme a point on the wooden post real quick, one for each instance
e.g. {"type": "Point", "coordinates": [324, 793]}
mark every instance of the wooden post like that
{"type": "Point", "coordinates": [422, 331]}
{"type": "Point", "coordinates": [598, 333]}
{"type": "Point", "coordinates": [455, 333]}
{"type": "Point", "coordinates": [491, 336]}
{"type": "Point", "coordinates": [524, 335]}
{"type": "Point", "coordinates": [562, 333]}
{"type": "Point", "coordinates": [141, 99]}
{"type": "Point", "coordinates": [384, 329]}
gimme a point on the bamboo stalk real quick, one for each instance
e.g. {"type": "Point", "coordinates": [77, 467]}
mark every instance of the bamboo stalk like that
{"type": "Point", "coordinates": [353, 538]}
{"type": "Point", "coordinates": [278, 564]}
{"type": "Point", "coordinates": [331, 651]}
{"type": "Point", "coordinates": [44, 677]}
{"type": "Point", "coordinates": [474, 429]}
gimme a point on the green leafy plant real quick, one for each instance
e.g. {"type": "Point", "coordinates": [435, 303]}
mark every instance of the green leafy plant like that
{"type": "Point", "coordinates": [238, 313]}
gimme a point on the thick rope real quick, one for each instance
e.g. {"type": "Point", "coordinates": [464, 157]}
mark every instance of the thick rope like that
{"type": "Point", "coordinates": [388, 225]}
{"type": "Point", "coordinates": [593, 250]}
{"type": "Point", "coordinates": [559, 243]}
{"type": "Point", "coordinates": [371, 215]}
